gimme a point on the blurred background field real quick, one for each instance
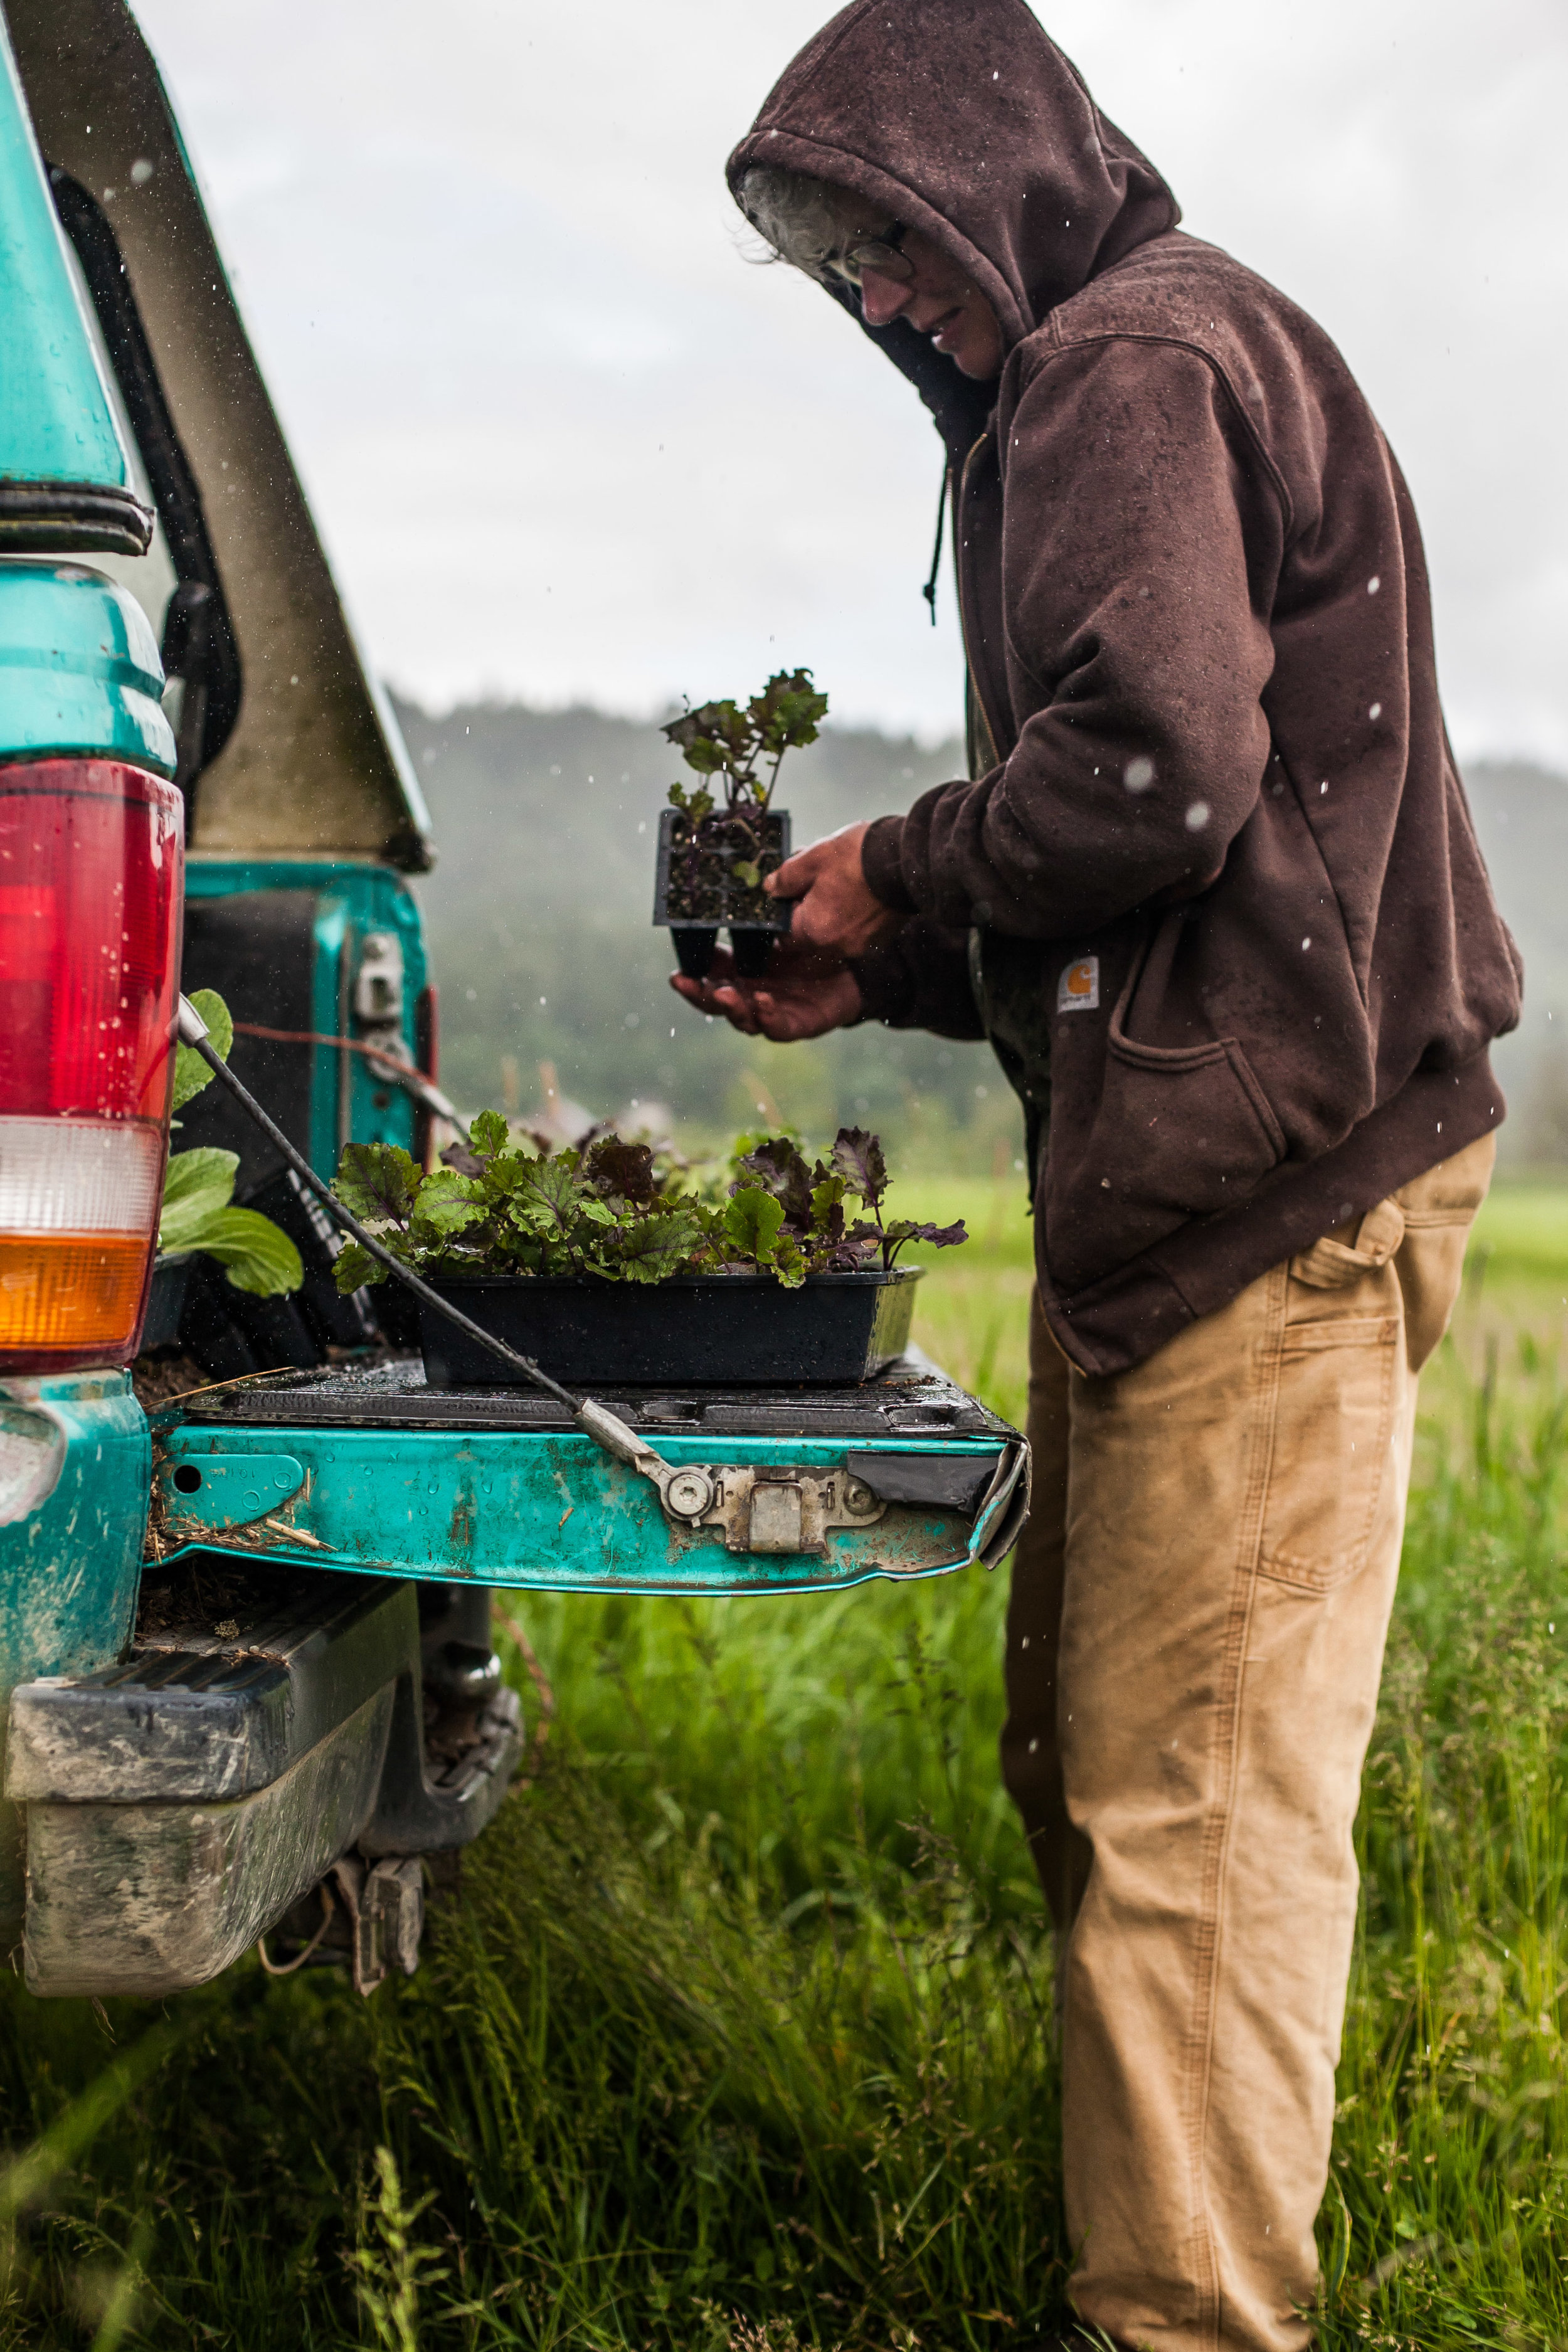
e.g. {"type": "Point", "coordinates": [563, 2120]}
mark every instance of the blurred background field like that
{"type": "Point", "coordinates": [740, 2038]}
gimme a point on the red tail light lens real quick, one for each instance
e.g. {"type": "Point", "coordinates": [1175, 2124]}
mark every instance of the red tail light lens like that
{"type": "Point", "coordinates": [91, 873]}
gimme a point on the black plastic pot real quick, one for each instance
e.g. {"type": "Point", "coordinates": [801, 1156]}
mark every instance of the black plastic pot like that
{"type": "Point", "coordinates": [740, 1330]}
{"type": "Point", "coordinates": [696, 945]}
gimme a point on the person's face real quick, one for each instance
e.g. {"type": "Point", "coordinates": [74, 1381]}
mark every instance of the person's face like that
{"type": "Point", "coordinates": [938, 300]}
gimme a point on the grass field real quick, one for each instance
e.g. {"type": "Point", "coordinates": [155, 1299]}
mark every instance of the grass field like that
{"type": "Point", "coordinates": [741, 2037]}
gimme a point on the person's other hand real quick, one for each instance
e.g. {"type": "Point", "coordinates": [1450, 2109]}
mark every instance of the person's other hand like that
{"type": "Point", "coordinates": [804, 994]}
{"type": "Point", "coordinates": [835, 906]}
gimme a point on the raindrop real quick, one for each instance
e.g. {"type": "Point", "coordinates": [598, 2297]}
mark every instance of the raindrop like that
{"type": "Point", "coordinates": [545, 1000]}
{"type": "Point", "coordinates": [631, 1020]}
{"type": "Point", "coordinates": [140, 172]}
{"type": "Point", "coordinates": [1197, 816]}
{"type": "Point", "coordinates": [1373, 585]}
{"type": "Point", "coordinates": [1138, 775]}
{"type": "Point", "coordinates": [1377, 710]}
{"type": "Point", "coordinates": [1306, 943]}
{"type": "Point", "coordinates": [1321, 788]}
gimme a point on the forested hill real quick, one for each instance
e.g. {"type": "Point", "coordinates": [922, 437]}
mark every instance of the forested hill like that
{"type": "Point", "coordinates": [546, 822]}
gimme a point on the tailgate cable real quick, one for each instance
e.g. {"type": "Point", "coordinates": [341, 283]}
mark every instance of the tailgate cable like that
{"type": "Point", "coordinates": [382, 1061]}
{"type": "Point", "coordinates": [605, 1428]}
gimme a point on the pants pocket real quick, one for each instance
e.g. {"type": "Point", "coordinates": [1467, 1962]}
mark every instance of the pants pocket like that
{"type": "Point", "coordinates": [1332, 1454]}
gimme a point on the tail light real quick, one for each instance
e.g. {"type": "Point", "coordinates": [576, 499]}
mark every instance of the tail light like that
{"type": "Point", "coordinates": [91, 871]}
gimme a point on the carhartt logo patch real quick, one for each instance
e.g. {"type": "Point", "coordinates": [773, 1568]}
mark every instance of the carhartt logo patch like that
{"type": "Point", "coordinates": [1078, 991]}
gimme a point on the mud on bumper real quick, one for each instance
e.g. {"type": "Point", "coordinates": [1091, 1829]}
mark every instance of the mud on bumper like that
{"type": "Point", "coordinates": [178, 1805]}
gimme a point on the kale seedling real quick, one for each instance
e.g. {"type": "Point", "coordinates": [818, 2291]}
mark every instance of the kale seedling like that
{"type": "Point", "coordinates": [610, 1209]}
{"type": "Point", "coordinates": [737, 750]}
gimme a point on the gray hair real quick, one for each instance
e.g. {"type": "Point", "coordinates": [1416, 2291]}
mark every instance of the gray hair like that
{"type": "Point", "coordinates": [805, 220]}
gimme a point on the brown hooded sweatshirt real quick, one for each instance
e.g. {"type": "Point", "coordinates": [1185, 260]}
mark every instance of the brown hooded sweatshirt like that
{"type": "Point", "coordinates": [1228, 926]}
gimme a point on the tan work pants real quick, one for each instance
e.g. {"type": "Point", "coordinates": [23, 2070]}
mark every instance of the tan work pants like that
{"type": "Point", "coordinates": [1194, 1642]}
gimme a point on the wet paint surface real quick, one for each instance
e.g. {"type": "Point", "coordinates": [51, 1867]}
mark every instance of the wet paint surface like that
{"type": "Point", "coordinates": [70, 1561]}
{"type": "Point", "coordinates": [529, 1509]}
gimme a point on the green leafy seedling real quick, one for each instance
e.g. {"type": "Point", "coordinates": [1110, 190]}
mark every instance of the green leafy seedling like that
{"type": "Point", "coordinates": [548, 1196]}
{"type": "Point", "coordinates": [447, 1204]}
{"type": "Point", "coordinates": [378, 1182]}
{"type": "Point", "coordinates": [489, 1133]}
{"type": "Point", "coordinates": [198, 1184]}
{"type": "Point", "coordinates": [721, 741]}
{"type": "Point", "coordinates": [658, 1247]}
{"type": "Point", "coordinates": [751, 1223]}
{"type": "Point", "coordinates": [191, 1072]}
{"type": "Point", "coordinates": [256, 1254]}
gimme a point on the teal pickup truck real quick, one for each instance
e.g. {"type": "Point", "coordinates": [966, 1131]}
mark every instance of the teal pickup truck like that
{"type": "Point", "coordinates": [246, 1687]}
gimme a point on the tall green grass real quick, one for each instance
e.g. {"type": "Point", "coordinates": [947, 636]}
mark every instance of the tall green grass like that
{"type": "Point", "coordinates": [740, 2035]}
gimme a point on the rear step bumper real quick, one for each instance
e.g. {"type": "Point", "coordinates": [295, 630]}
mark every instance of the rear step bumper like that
{"type": "Point", "coordinates": [177, 1805]}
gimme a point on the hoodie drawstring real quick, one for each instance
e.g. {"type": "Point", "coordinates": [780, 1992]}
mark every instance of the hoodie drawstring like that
{"type": "Point", "coordinates": [928, 591]}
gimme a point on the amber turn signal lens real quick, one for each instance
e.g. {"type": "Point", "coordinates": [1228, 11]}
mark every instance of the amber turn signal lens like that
{"type": "Point", "coordinates": [70, 1294]}
{"type": "Point", "coordinates": [91, 862]}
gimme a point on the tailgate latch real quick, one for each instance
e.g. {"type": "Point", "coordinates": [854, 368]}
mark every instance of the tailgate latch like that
{"type": "Point", "coordinates": [769, 1509]}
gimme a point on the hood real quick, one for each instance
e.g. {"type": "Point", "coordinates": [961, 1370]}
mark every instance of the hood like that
{"type": "Point", "coordinates": [963, 118]}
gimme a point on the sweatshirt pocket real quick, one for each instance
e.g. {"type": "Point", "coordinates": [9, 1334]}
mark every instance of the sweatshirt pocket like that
{"type": "Point", "coordinates": [1186, 1129]}
{"type": "Point", "coordinates": [1145, 1138]}
{"type": "Point", "coordinates": [1177, 1133]}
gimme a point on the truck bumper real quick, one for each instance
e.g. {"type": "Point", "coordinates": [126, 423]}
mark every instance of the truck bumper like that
{"type": "Point", "coordinates": [178, 1804]}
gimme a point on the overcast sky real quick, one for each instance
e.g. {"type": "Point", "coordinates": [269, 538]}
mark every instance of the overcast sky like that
{"type": "Point", "coordinates": [565, 443]}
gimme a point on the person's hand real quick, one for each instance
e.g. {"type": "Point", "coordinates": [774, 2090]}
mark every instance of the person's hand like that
{"type": "Point", "coordinates": [835, 906]}
{"type": "Point", "coordinates": [805, 994]}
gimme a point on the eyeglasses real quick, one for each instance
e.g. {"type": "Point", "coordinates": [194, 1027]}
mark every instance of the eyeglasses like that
{"type": "Point", "coordinates": [884, 254]}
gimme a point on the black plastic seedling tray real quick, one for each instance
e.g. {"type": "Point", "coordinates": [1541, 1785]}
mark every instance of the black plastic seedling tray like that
{"type": "Point", "coordinates": [754, 922]}
{"type": "Point", "coordinates": [744, 1330]}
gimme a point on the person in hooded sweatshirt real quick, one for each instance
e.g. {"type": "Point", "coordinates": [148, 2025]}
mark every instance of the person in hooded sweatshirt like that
{"type": "Point", "coordinates": [1212, 891]}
